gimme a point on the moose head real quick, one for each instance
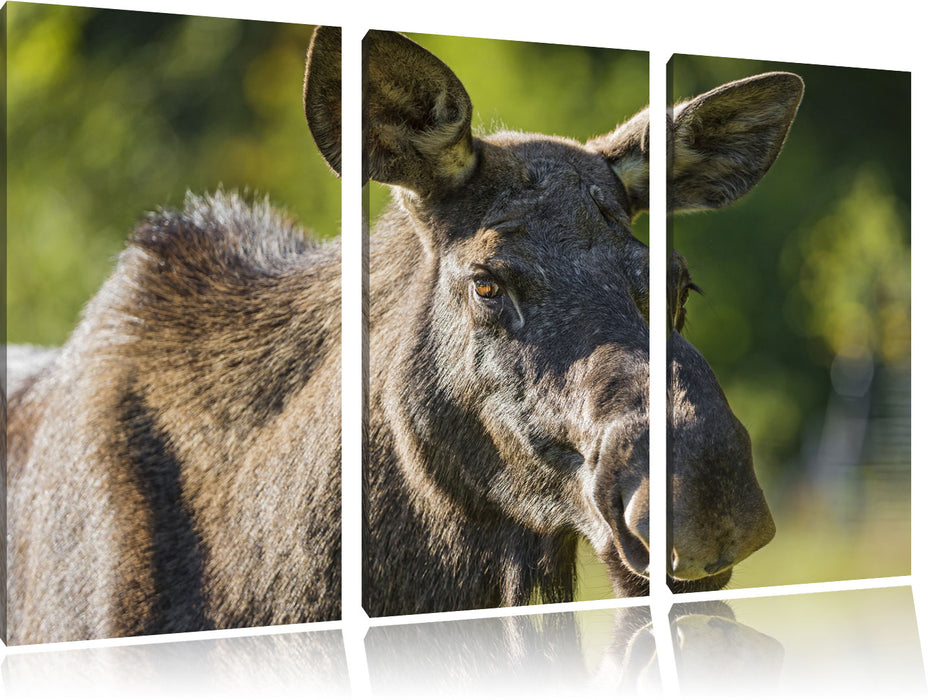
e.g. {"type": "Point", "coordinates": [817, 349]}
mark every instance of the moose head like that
{"type": "Point", "coordinates": [509, 337]}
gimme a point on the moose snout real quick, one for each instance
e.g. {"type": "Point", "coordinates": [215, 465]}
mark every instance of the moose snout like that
{"type": "Point", "coordinates": [718, 515]}
{"type": "Point", "coordinates": [632, 531]}
{"type": "Point", "coordinates": [622, 493]}
{"type": "Point", "coordinates": [637, 513]}
{"type": "Point", "coordinates": [708, 539]}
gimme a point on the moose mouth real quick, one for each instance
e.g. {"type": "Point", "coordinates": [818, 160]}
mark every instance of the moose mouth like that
{"type": "Point", "coordinates": [630, 575]}
{"type": "Point", "coordinates": [709, 583]}
{"type": "Point", "coordinates": [623, 502]}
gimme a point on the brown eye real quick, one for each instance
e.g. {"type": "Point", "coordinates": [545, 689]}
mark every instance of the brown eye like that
{"type": "Point", "coordinates": [487, 288]}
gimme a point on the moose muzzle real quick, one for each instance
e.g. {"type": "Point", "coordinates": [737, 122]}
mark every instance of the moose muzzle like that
{"type": "Point", "coordinates": [717, 514]}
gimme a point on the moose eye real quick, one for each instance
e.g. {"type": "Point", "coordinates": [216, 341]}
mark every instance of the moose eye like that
{"type": "Point", "coordinates": [487, 288]}
{"type": "Point", "coordinates": [680, 318]}
{"type": "Point", "coordinates": [679, 285]}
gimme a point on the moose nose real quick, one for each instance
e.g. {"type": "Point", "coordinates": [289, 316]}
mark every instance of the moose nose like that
{"type": "Point", "coordinates": [637, 514]}
{"type": "Point", "coordinates": [717, 515]}
{"type": "Point", "coordinates": [631, 528]}
{"type": "Point", "coordinates": [703, 549]}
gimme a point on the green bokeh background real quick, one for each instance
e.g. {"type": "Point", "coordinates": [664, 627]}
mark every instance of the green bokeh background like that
{"type": "Point", "coordinates": [805, 319]}
{"type": "Point", "coordinates": [112, 114]}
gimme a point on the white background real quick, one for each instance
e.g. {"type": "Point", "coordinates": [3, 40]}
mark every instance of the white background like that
{"type": "Point", "coordinates": [897, 35]}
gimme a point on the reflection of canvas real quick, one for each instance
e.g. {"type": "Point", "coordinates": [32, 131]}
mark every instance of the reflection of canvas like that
{"type": "Point", "coordinates": [174, 466]}
{"type": "Point", "coordinates": [794, 645]}
{"type": "Point", "coordinates": [805, 320]}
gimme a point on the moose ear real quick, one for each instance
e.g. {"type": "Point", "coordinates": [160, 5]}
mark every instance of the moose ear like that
{"type": "Point", "coordinates": [627, 150]}
{"type": "Point", "coordinates": [724, 141]}
{"type": "Point", "coordinates": [418, 117]}
{"type": "Point", "coordinates": [322, 93]}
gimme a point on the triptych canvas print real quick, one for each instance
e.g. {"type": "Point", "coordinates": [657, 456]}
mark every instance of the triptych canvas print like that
{"type": "Point", "coordinates": [173, 369]}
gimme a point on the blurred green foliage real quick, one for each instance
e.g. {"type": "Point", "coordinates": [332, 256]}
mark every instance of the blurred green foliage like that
{"type": "Point", "coordinates": [852, 291]}
{"type": "Point", "coordinates": [573, 91]}
{"type": "Point", "coordinates": [112, 114]}
{"type": "Point", "coordinates": [815, 261]}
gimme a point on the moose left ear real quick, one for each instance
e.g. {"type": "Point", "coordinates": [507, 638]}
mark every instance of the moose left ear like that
{"type": "Point", "coordinates": [627, 150]}
{"type": "Point", "coordinates": [322, 91]}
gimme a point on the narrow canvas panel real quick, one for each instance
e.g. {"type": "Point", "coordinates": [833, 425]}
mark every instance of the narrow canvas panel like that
{"type": "Point", "coordinates": [507, 327]}
{"type": "Point", "coordinates": [174, 358]}
{"type": "Point", "coordinates": [804, 318]}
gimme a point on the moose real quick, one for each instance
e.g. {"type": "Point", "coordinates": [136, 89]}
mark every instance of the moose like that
{"type": "Point", "coordinates": [175, 466]}
{"type": "Point", "coordinates": [508, 347]}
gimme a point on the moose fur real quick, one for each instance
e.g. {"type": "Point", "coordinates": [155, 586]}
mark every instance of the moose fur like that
{"type": "Point", "coordinates": [175, 467]}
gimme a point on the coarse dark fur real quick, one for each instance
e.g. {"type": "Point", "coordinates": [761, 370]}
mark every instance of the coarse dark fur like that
{"type": "Point", "coordinates": [176, 467]}
{"type": "Point", "coordinates": [508, 352]}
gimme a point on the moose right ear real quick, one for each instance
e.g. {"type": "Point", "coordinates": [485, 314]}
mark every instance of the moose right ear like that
{"type": "Point", "coordinates": [322, 92]}
{"type": "Point", "coordinates": [418, 117]}
{"type": "Point", "coordinates": [724, 141]}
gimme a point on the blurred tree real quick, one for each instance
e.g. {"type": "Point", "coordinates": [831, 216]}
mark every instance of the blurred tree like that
{"type": "Point", "coordinates": [853, 292]}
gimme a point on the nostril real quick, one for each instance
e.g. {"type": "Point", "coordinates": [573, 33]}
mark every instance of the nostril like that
{"type": "Point", "coordinates": [637, 515]}
{"type": "Point", "coordinates": [631, 530]}
{"type": "Point", "coordinates": [720, 565]}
